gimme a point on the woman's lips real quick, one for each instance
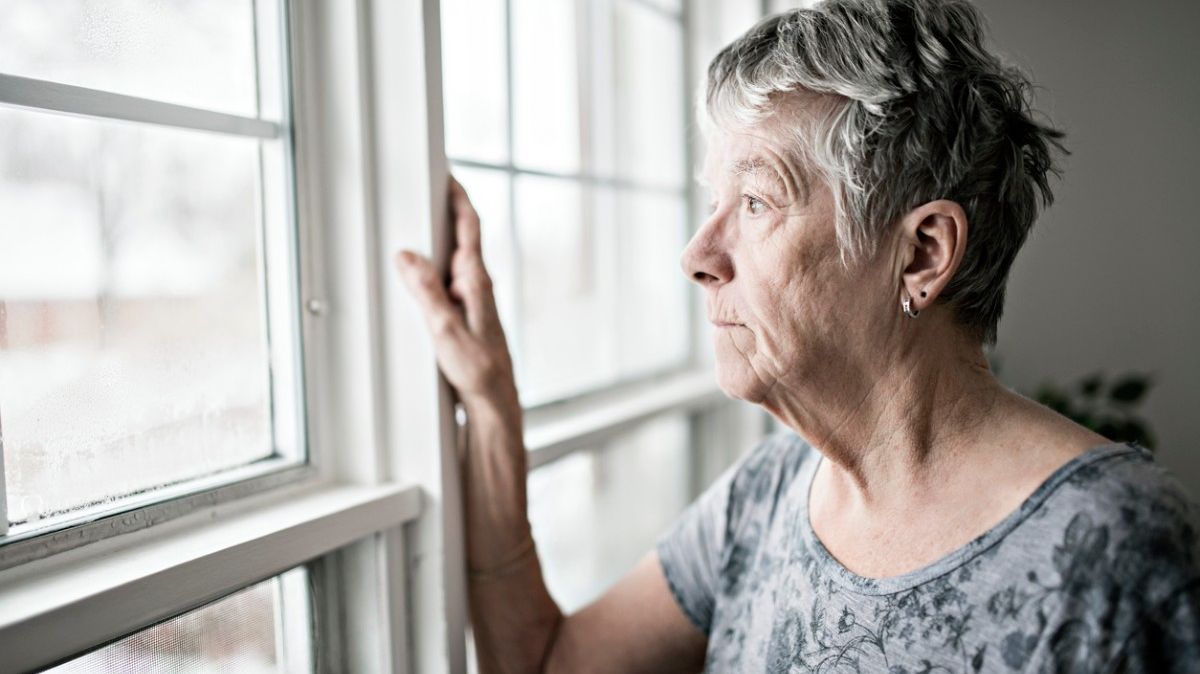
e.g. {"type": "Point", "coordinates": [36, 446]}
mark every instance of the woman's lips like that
{"type": "Point", "coordinates": [726, 324]}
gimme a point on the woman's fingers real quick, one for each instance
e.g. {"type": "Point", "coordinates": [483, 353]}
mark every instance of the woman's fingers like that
{"type": "Point", "coordinates": [426, 287]}
{"type": "Point", "coordinates": [472, 286]}
{"type": "Point", "coordinates": [466, 219]}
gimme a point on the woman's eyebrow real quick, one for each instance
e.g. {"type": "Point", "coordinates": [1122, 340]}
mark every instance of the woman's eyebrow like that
{"type": "Point", "coordinates": [758, 166]}
{"type": "Point", "coordinates": [755, 166]}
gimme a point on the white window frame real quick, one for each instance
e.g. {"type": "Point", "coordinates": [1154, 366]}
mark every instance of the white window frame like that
{"type": "Point", "coordinates": [60, 597]}
{"type": "Point", "coordinates": [376, 513]}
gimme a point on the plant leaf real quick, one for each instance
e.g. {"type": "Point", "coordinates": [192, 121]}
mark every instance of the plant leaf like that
{"type": "Point", "coordinates": [1129, 390]}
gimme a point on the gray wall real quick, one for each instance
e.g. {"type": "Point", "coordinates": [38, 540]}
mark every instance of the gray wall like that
{"type": "Point", "coordinates": [1110, 278]}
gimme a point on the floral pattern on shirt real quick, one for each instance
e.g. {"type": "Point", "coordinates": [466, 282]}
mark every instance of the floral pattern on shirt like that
{"type": "Point", "coordinates": [1096, 572]}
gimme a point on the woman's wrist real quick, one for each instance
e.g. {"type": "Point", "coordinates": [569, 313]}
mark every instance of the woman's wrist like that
{"type": "Point", "coordinates": [499, 407]}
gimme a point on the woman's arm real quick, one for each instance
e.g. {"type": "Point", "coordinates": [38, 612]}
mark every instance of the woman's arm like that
{"type": "Point", "coordinates": [636, 626]}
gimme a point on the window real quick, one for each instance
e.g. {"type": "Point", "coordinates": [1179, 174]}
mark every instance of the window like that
{"type": "Point", "coordinates": [262, 628]}
{"type": "Point", "coordinates": [181, 394]}
{"type": "Point", "coordinates": [567, 122]}
{"type": "Point", "coordinates": [221, 422]}
{"type": "Point", "coordinates": [147, 283]}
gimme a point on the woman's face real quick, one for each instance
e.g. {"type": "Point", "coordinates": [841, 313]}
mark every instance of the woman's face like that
{"type": "Point", "coordinates": [785, 311]}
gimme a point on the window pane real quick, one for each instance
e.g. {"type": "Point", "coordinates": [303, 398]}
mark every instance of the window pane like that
{"type": "Point", "coordinates": [673, 6]}
{"type": "Point", "coordinates": [567, 289]}
{"type": "Point", "coordinates": [193, 53]}
{"type": "Point", "coordinates": [650, 111]}
{"type": "Point", "coordinates": [240, 633]}
{"type": "Point", "coordinates": [545, 85]}
{"type": "Point", "coordinates": [653, 321]}
{"type": "Point", "coordinates": [596, 513]}
{"type": "Point", "coordinates": [133, 347]}
{"type": "Point", "coordinates": [474, 58]}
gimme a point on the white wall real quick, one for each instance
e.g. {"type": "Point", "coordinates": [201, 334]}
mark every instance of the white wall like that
{"type": "Point", "coordinates": [1109, 278]}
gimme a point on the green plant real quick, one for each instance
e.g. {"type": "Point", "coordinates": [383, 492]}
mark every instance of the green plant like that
{"type": "Point", "coordinates": [1107, 406]}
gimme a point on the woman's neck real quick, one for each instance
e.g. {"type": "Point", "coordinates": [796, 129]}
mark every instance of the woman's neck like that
{"type": "Point", "coordinates": [904, 421]}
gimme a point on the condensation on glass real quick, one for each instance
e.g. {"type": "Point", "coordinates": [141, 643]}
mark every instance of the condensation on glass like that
{"type": "Point", "coordinates": [199, 54]}
{"type": "Point", "coordinates": [135, 289]}
{"type": "Point", "coordinates": [582, 188]}
{"type": "Point", "coordinates": [252, 631]}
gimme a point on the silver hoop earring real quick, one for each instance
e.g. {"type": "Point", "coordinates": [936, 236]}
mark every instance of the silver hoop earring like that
{"type": "Point", "coordinates": [908, 310]}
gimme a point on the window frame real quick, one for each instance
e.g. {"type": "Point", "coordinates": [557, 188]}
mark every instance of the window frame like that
{"type": "Point", "coordinates": [376, 512]}
{"type": "Point", "coordinates": [288, 464]}
{"type": "Point", "coordinates": [691, 364]}
{"type": "Point", "coordinates": [343, 507]}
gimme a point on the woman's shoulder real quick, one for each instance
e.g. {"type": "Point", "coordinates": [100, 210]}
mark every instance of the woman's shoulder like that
{"type": "Point", "coordinates": [1124, 542]}
{"type": "Point", "coordinates": [1126, 518]}
{"type": "Point", "coordinates": [1126, 487]}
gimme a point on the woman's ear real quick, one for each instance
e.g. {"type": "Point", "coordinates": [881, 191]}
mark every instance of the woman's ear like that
{"type": "Point", "coordinates": [933, 240]}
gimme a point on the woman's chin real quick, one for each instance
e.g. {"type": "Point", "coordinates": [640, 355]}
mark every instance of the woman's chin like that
{"type": "Point", "coordinates": [738, 381]}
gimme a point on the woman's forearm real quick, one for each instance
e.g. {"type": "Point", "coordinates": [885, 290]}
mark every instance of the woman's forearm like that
{"type": "Point", "coordinates": [513, 616]}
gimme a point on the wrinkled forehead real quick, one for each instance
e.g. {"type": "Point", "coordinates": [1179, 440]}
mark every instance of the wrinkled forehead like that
{"type": "Point", "coordinates": [756, 155]}
{"type": "Point", "coordinates": [776, 142]}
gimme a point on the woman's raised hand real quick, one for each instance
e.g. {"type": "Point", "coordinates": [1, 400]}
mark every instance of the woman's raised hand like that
{"type": "Point", "coordinates": [467, 336]}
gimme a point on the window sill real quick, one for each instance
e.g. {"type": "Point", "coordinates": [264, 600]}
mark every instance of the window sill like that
{"type": "Point", "coordinates": [553, 432]}
{"type": "Point", "coordinates": [54, 607]}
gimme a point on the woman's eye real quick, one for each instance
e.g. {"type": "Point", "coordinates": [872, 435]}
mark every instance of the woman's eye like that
{"type": "Point", "coordinates": [757, 206]}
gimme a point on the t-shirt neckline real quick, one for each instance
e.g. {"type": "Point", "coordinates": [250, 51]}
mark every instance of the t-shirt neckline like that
{"type": "Point", "coordinates": [954, 559]}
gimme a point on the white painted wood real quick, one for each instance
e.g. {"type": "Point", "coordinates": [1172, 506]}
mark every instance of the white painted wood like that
{"type": "Point", "coordinates": [279, 232]}
{"type": "Point", "coordinates": [72, 607]}
{"type": "Point", "coordinates": [332, 201]}
{"type": "Point", "coordinates": [55, 535]}
{"type": "Point", "coordinates": [393, 581]}
{"type": "Point", "coordinates": [3, 493]}
{"type": "Point", "coordinates": [43, 95]}
{"type": "Point", "coordinates": [555, 431]}
{"type": "Point", "coordinates": [410, 203]}
{"type": "Point", "coordinates": [293, 623]}
{"type": "Point", "coordinates": [362, 619]}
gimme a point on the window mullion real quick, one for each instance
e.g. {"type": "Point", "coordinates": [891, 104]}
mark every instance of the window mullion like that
{"type": "Point", "coordinates": [517, 339]}
{"type": "Point", "coordinates": [3, 475]}
{"type": "Point", "coordinates": [294, 645]}
{"type": "Point", "coordinates": [409, 162]}
{"type": "Point", "coordinates": [43, 95]}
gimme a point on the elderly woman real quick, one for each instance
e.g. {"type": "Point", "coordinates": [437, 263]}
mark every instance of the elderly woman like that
{"type": "Point", "coordinates": [873, 170]}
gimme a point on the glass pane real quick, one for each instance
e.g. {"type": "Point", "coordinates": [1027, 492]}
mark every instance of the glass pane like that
{"type": "Point", "coordinates": [650, 111]}
{"type": "Point", "coordinates": [133, 347]}
{"type": "Point", "coordinates": [489, 192]}
{"type": "Point", "coordinates": [180, 51]}
{"type": "Point", "coordinates": [567, 287]}
{"type": "Point", "coordinates": [475, 78]}
{"type": "Point", "coordinates": [596, 513]}
{"type": "Point", "coordinates": [239, 633]}
{"type": "Point", "coordinates": [545, 85]}
{"type": "Point", "coordinates": [652, 310]}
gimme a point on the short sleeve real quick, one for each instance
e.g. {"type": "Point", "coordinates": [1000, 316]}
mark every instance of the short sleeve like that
{"type": "Point", "coordinates": [690, 551]}
{"type": "Point", "coordinates": [1168, 640]}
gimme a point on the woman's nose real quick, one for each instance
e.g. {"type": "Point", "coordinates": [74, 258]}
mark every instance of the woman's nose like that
{"type": "Point", "coordinates": [705, 260]}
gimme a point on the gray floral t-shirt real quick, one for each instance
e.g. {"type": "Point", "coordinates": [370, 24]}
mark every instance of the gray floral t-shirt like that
{"type": "Point", "coordinates": [1098, 571]}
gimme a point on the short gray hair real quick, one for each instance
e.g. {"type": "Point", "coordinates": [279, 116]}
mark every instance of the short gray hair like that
{"type": "Point", "coordinates": [917, 109]}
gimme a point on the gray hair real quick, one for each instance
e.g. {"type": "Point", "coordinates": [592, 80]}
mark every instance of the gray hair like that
{"type": "Point", "coordinates": [915, 109]}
